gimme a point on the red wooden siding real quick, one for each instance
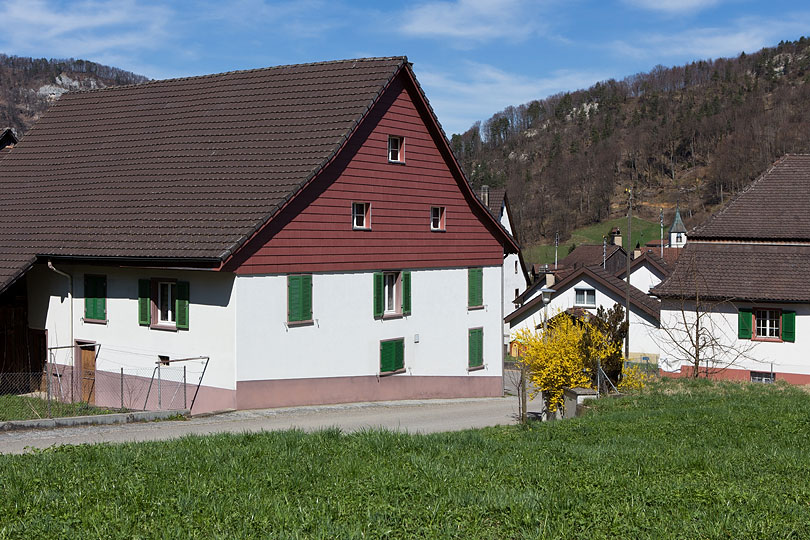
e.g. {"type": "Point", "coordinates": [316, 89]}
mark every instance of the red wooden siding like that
{"type": "Point", "coordinates": [314, 232]}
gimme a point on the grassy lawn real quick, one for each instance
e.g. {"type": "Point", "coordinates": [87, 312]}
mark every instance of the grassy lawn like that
{"type": "Point", "coordinates": [29, 408]}
{"type": "Point", "coordinates": [685, 460]}
{"type": "Point", "coordinates": [643, 232]}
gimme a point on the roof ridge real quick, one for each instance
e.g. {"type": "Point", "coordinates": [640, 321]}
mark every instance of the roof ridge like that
{"type": "Point", "coordinates": [236, 71]}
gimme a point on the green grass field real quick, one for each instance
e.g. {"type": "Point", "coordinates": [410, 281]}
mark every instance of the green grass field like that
{"type": "Point", "coordinates": [643, 232]}
{"type": "Point", "coordinates": [688, 459]}
{"type": "Point", "coordinates": [14, 407]}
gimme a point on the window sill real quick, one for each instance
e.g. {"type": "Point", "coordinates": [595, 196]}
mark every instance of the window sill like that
{"type": "Point", "coordinates": [586, 306]}
{"type": "Point", "coordinates": [475, 308]}
{"type": "Point", "coordinates": [164, 327]}
{"type": "Point", "coordinates": [95, 321]}
{"type": "Point", "coordinates": [391, 316]}
{"type": "Point", "coordinates": [476, 368]}
{"type": "Point", "coordinates": [295, 324]}
{"type": "Point", "coordinates": [395, 372]}
{"type": "Point", "coordinates": [767, 339]}
{"type": "Point", "coordinates": [361, 228]}
{"type": "Point", "coordinates": [395, 162]}
{"type": "Point", "coordinates": [438, 230]}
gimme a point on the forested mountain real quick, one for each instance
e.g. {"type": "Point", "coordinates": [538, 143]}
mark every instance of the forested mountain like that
{"type": "Point", "coordinates": [692, 135]}
{"type": "Point", "coordinates": [29, 85]}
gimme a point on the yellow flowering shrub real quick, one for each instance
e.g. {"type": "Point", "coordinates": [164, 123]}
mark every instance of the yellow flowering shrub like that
{"type": "Point", "coordinates": [634, 379]}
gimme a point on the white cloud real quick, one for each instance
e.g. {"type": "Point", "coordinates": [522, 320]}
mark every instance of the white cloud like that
{"type": "Point", "coordinates": [746, 34]}
{"type": "Point", "coordinates": [481, 90]}
{"type": "Point", "coordinates": [101, 30]}
{"type": "Point", "coordinates": [674, 6]}
{"type": "Point", "coordinates": [467, 21]}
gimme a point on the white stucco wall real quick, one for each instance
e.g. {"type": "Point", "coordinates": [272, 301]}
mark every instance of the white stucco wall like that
{"type": "Point", "coordinates": [514, 279]}
{"type": "Point", "coordinates": [759, 355]}
{"type": "Point", "coordinates": [643, 278]}
{"type": "Point", "coordinates": [643, 328]}
{"type": "Point", "coordinates": [345, 337]}
{"type": "Point", "coordinates": [124, 343]}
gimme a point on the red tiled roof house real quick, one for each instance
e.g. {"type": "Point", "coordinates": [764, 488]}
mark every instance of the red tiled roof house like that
{"type": "Point", "coordinates": [305, 227]}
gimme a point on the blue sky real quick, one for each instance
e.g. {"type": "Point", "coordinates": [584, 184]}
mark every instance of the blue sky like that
{"type": "Point", "coordinates": [473, 57]}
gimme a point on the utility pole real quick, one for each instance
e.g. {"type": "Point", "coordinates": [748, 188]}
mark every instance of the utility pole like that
{"type": "Point", "coordinates": [627, 271]}
{"type": "Point", "coordinates": [556, 243]}
{"type": "Point", "coordinates": [662, 233]}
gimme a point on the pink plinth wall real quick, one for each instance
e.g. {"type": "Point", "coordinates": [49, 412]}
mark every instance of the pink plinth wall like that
{"type": "Point", "coordinates": [736, 375]}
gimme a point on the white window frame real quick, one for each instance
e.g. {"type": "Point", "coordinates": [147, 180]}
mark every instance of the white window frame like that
{"type": "Point", "coordinates": [171, 315]}
{"type": "Point", "coordinates": [392, 290]}
{"type": "Point", "coordinates": [442, 211]}
{"type": "Point", "coordinates": [361, 209]}
{"type": "Point", "coordinates": [771, 326]}
{"type": "Point", "coordinates": [396, 144]}
{"type": "Point", "coordinates": [586, 293]}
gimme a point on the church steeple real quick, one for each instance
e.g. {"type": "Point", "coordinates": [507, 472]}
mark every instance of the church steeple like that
{"type": "Point", "coordinates": [677, 233]}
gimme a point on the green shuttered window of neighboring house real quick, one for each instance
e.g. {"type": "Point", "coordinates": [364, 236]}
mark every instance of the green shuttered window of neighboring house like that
{"type": "Point", "coordinates": [406, 293]}
{"type": "Point", "coordinates": [789, 326]}
{"type": "Point", "coordinates": [95, 298]}
{"type": "Point", "coordinates": [476, 347]}
{"type": "Point", "coordinates": [379, 301]}
{"type": "Point", "coordinates": [299, 298]}
{"type": "Point", "coordinates": [475, 287]}
{"type": "Point", "coordinates": [379, 292]}
{"type": "Point", "coordinates": [745, 323]}
{"type": "Point", "coordinates": [181, 305]}
{"type": "Point", "coordinates": [392, 355]}
{"type": "Point", "coordinates": [144, 302]}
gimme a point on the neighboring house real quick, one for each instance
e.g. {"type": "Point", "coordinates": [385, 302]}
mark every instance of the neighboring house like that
{"type": "Point", "coordinates": [677, 232]}
{"type": "Point", "coordinates": [305, 227]}
{"type": "Point", "coordinates": [7, 141]}
{"type": "Point", "coordinates": [591, 287]}
{"type": "Point", "coordinates": [646, 270]}
{"type": "Point", "coordinates": [613, 256]}
{"type": "Point", "coordinates": [744, 271]}
{"type": "Point", "coordinates": [515, 276]}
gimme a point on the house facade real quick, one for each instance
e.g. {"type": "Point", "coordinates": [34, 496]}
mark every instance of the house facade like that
{"type": "Point", "coordinates": [740, 282]}
{"type": "Point", "coordinates": [304, 229]}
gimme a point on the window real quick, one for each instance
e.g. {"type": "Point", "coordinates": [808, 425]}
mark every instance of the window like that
{"type": "Point", "coordinates": [163, 303]}
{"type": "Point", "coordinates": [585, 297]}
{"type": "Point", "coordinates": [764, 324]}
{"type": "Point", "coordinates": [299, 298]}
{"type": "Point", "coordinates": [475, 288]}
{"type": "Point", "coordinates": [396, 150]}
{"type": "Point", "coordinates": [392, 294]}
{"type": "Point", "coordinates": [95, 298]}
{"type": "Point", "coordinates": [392, 356]}
{"type": "Point", "coordinates": [678, 238]}
{"type": "Point", "coordinates": [517, 293]}
{"type": "Point", "coordinates": [361, 215]}
{"type": "Point", "coordinates": [516, 267]}
{"type": "Point", "coordinates": [763, 377]}
{"type": "Point", "coordinates": [437, 218]}
{"type": "Point", "coordinates": [475, 348]}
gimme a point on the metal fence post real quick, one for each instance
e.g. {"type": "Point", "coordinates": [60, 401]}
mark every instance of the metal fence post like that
{"type": "Point", "coordinates": [160, 392]}
{"type": "Point", "coordinates": [122, 388]}
{"type": "Point", "coordinates": [48, 386]}
{"type": "Point", "coordinates": [185, 402]}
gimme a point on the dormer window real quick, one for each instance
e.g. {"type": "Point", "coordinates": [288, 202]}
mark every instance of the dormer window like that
{"type": "Point", "coordinates": [361, 216]}
{"type": "Point", "coordinates": [396, 149]}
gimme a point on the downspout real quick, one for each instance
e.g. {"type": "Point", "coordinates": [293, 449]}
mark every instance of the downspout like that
{"type": "Point", "coordinates": [72, 343]}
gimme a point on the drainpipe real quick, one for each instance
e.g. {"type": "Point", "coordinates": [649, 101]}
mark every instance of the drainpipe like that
{"type": "Point", "coordinates": [72, 344]}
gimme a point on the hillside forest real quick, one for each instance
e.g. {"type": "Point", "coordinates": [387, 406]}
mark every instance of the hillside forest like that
{"type": "Point", "coordinates": [690, 135]}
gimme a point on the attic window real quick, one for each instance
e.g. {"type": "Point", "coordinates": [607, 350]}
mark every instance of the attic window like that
{"type": "Point", "coordinates": [437, 218]}
{"type": "Point", "coordinates": [361, 216]}
{"type": "Point", "coordinates": [585, 297]}
{"type": "Point", "coordinates": [396, 149]}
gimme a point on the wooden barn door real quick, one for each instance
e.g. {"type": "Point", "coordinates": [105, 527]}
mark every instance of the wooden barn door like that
{"type": "Point", "coordinates": [88, 370]}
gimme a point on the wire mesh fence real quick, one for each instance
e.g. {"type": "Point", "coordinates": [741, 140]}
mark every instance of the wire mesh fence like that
{"type": "Point", "coordinates": [60, 390]}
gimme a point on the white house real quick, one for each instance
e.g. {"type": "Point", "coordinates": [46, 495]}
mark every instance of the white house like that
{"type": "Point", "coordinates": [304, 229]}
{"type": "Point", "coordinates": [646, 271]}
{"type": "Point", "coordinates": [742, 274]}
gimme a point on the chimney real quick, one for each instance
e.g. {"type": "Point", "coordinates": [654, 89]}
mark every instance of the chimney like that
{"type": "Point", "coordinates": [485, 195]}
{"type": "Point", "coordinates": [549, 279]}
{"type": "Point", "coordinates": [616, 236]}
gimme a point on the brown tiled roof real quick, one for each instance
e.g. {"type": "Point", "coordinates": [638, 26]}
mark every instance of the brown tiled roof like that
{"type": "Point", "coordinates": [747, 272]}
{"type": "Point", "coordinates": [588, 254]}
{"type": "Point", "coordinates": [774, 207]}
{"type": "Point", "coordinates": [637, 297]}
{"type": "Point", "coordinates": [178, 169]}
{"type": "Point", "coordinates": [496, 202]}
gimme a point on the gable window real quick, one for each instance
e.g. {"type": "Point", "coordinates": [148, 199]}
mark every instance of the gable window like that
{"type": "Point", "coordinates": [95, 298]}
{"type": "Point", "coordinates": [392, 294]}
{"type": "Point", "coordinates": [299, 298]}
{"type": "Point", "coordinates": [163, 303]}
{"type": "Point", "coordinates": [392, 356]}
{"type": "Point", "coordinates": [475, 348]}
{"type": "Point", "coordinates": [475, 288]}
{"type": "Point", "coordinates": [585, 297]}
{"type": "Point", "coordinates": [516, 267]}
{"type": "Point", "coordinates": [437, 218]}
{"type": "Point", "coordinates": [361, 215]}
{"type": "Point", "coordinates": [396, 149]}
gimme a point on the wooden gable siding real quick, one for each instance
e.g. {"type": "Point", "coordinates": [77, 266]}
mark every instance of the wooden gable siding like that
{"type": "Point", "coordinates": [314, 232]}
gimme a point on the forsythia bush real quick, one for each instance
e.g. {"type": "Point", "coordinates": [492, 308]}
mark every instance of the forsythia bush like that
{"type": "Point", "coordinates": [559, 359]}
{"type": "Point", "coordinates": [633, 379]}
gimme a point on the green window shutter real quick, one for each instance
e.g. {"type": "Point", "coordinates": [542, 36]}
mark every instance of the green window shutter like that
{"type": "Point", "coordinates": [101, 298]}
{"type": "Point", "coordinates": [399, 354]}
{"type": "Point", "coordinates": [294, 298]}
{"type": "Point", "coordinates": [745, 323]}
{"type": "Point", "coordinates": [789, 326]}
{"type": "Point", "coordinates": [306, 297]}
{"type": "Point", "coordinates": [144, 302]}
{"type": "Point", "coordinates": [406, 293]}
{"type": "Point", "coordinates": [95, 297]}
{"type": "Point", "coordinates": [181, 305]}
{"type": "Point", "coordinates": [89, 298]}
{"type": "Point", "coordinates": [475, 289]}
{"type": "Point", "coordinates": [379, 306]}
{"type": "Point", "coordinates": [392, 355]}
{"type": "Point", "coordinates": [476, 347]}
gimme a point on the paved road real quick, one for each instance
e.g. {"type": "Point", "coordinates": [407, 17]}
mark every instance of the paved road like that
{"type": "Point", "coordinates": [426, 416]}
